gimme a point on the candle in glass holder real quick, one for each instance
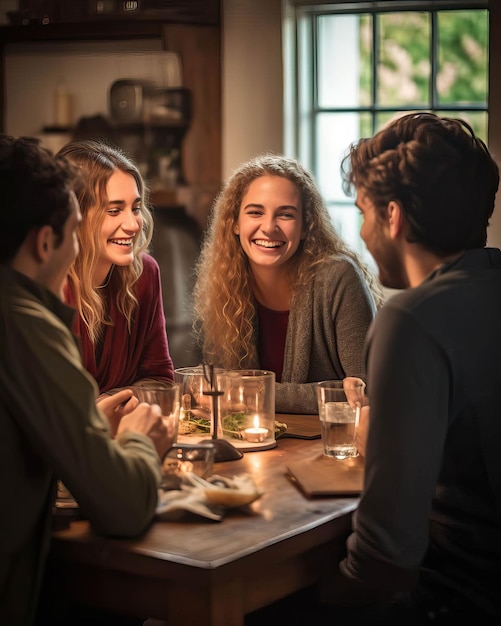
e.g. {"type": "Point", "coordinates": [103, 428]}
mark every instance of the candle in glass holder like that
{"type": "Point", "coordinates": [256, 434]}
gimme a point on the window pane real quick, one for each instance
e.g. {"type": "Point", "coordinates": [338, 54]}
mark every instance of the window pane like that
{"type": "Point", "coordinates": [347, 221]}
{"type": "Point", "coordinates": [334, 133]}
{"type": "Point", "coordinates": [476, 119]}
{"type": "Point", "coordinates": [381, 119]}
{"type": "Point", "coordinates": [344, 61]}
{"type": "Point", "coordinates": [384, 118]}
{"type": "Point", "coordinates": [403, 69]}
{"type": "Point", "coordinates": [463, 57]}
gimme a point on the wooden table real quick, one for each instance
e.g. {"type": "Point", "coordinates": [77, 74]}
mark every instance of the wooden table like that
{"type": "Point", "coordinates": [212, 573]}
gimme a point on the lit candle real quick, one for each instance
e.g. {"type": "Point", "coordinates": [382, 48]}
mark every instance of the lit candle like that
{"type": "Point", "coordinates": [256, 434]}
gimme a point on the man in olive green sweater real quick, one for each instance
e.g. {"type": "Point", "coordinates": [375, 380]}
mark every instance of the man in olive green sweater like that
{"type": "Point", "coordinates": [50, 426]}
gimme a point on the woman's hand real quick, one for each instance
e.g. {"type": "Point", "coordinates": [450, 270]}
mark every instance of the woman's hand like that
{"type": "Point", "coordinates": [116, 406]}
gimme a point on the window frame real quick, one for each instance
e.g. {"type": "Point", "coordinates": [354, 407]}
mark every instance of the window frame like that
{"type": "Point", "coordinates": [300, 34]}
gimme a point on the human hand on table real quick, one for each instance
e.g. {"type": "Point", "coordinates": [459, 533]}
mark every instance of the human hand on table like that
{"type": "Point", "coordinates": [362, 429]}
{"type": "Point", "coordinates": [117, 405]}
{"type": "Point", "coordinates": [354, 388]}
{"type": "Point", "coordinates": [351, 385]}
{"type": "Point", "coordinates": [147, 419]}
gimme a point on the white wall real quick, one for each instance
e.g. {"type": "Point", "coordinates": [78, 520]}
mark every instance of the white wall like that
{"type": "Point", "coordinates": [252, 79]}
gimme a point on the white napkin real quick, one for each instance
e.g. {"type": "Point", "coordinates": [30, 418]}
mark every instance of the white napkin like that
{"type": "Point", "coordinates": [206, 498]}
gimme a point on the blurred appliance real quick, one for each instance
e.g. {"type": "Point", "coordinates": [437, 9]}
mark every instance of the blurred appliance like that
{"type": "Point", "coordinates": [126, 100]}
{"type": "Point", "coordinates": [141, 101]}
{"type": "Point", "coordinates": [167, 105]}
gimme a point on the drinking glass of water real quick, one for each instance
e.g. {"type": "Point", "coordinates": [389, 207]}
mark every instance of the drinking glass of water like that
{"type": "Point", "coordinates": [339, 404]}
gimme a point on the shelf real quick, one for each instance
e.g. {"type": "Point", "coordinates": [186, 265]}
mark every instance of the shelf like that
{"type": "Point", "coordinates": [84, 31]}
{"type": "Point", "coordinates": [63, 20]}
{"type": "Point", "coordinates": [174, 126]}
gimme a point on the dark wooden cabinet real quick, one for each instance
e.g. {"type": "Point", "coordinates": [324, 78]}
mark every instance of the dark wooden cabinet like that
{"type": "Point", "coordinates": [44, 12]}
{"type": "Point", "coordinates": [81, 31]}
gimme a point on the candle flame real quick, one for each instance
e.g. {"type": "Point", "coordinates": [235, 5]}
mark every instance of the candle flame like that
{"type": "Point", "coordinates": [256, 421]}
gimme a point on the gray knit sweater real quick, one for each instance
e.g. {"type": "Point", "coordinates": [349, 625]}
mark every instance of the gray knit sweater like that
{"type": "Point", "coordinates": [328, 322]}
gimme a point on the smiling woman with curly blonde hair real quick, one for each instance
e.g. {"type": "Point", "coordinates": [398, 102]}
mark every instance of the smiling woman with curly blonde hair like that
{"type": "Point", "coordinates": [277, 288]}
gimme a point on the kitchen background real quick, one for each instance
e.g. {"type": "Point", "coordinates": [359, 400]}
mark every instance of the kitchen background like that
{"type": "Point", "coordinates": [44, 81]}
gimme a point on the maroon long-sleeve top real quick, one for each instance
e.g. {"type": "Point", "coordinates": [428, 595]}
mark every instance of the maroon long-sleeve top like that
{"type": "Point", "coordinates": [130, 356]}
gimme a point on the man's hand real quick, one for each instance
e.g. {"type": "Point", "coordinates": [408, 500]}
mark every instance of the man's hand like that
{"type": "Point", "coordinates": [147, 419]}
{"type": "Point", "coordinates": [116, 406]}
{"type": "Point", "coordinates": [354, 389]}
{"type": "Point", "coordinates": [362, 429]}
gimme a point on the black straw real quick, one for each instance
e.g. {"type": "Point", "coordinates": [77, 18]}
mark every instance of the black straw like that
{"type": "Point", "coordinates": [224, 450]}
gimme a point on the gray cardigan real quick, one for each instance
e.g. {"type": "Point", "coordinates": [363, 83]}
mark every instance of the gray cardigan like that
{"type": "Point", "coordinates": [328, 322]}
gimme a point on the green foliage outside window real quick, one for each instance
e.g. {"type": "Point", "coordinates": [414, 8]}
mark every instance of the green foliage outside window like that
{"type": "Point", "coordinates": [403, 71]}
{"type": "Point", "coordinates": [463, 52]}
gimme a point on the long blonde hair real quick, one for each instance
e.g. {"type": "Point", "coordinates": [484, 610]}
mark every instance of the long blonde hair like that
{"type": "Point", "coordinates": [97, 161]}
{"type": "Point", "coordinates": [224, 305]}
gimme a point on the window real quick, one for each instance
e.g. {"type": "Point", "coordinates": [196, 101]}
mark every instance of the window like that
{"type": "Point", "coordinates": [352, 66]}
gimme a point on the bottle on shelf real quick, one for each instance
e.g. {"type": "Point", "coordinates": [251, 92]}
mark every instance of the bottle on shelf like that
{"type": "Point", "coordinates": [62, 106]}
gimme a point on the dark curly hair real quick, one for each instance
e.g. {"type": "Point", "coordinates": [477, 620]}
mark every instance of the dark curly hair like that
{"type": "Point", "coordinates": [441, 174]}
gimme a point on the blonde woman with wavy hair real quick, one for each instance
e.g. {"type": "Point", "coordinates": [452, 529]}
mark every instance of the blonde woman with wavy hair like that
{"type": "Point", "coordinates": [114, 284]}
{"type": "Point", "coordinates": [277, 288]}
